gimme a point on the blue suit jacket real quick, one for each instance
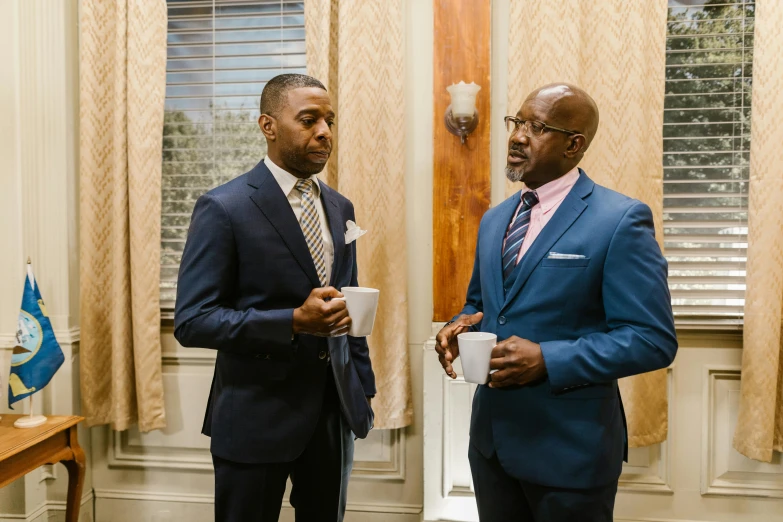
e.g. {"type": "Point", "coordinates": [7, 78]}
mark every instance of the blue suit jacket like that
{"type": "Point", "coordinates": [245, 267]}
{"type": "Point", "coordinates": [597, 319]}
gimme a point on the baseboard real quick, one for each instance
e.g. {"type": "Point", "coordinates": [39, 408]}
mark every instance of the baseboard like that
{"type": "Point", "coordinates": [188, 498]}
{"type": "Point", "coordinates": [44, 508]}
{"type": "Point", "coordinates": [656, 520]}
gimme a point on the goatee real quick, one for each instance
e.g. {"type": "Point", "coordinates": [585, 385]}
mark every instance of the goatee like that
{"type": "Point", "coordinates": [512, 175]}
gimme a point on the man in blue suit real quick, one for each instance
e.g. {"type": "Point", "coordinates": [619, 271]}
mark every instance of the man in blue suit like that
{"type": "Point", "coordinates": [264, 254]}
{"type": "Point", "coordinates": [569, 276]}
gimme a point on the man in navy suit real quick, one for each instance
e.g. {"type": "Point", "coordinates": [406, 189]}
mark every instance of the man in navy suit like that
{"type": "Point", "coordinates": [569, 276]}
{"type": "Point", "coordinates": [264, 256]}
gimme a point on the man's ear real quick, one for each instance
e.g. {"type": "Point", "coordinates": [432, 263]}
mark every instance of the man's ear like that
{"type": "Point", "coordinates": [268, 126]}
{"type": "Point", "coordinates": [576, 146]}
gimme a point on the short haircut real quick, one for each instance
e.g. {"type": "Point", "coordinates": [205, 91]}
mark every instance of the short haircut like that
{"type": "Point", "coordinates": [275, 93]}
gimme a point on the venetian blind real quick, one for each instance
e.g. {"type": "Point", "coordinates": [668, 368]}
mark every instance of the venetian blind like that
{"type": "Point", "coordinates": [709, 56]}
{"type": "Point", "coordinates": [220, 55]}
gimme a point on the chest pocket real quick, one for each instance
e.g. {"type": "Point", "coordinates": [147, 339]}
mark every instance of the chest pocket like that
{"type": "Point", "coordinates": [565, 263]}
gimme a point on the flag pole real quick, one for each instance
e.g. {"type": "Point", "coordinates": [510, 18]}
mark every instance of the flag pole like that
{"type": "Point", "coordinates": [30, 421]}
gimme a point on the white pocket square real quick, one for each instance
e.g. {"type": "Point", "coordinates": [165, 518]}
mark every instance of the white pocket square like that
{"type": "Point", "coordinates": [557, 255]}
{"type": "Point", "coordinates": [352, 232]}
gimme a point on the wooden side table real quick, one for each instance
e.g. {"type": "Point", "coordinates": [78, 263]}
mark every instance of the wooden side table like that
{"type": "Point", "coordinates": [23, 450]}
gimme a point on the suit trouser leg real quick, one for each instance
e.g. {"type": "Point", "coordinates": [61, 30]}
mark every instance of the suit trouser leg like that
{"type": "Point", "coordinates": [503, 498]}
{"type": "Point", "coordinates": [254, 492]}
{"type": "Point", "coordinates": [320, 475]}
{"type": "Point", "coordinates": [249, 492]}
{"type": "Point", "coordinates": [499, 496]}
{"type": "Point", "coordinates": [566, 505]}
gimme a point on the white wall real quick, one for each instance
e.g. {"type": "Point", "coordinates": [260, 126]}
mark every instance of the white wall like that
{"type": "Point", "coordinates": [38, 217]}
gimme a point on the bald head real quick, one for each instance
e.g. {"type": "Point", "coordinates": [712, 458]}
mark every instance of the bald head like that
{"type": "Point", "coordinates": [570, 106]}
{"type": "Point", "coordinates": [538, 154]}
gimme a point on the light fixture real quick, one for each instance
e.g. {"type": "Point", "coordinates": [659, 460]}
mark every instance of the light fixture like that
{"type": "Point", "coordinates": [461, 116]}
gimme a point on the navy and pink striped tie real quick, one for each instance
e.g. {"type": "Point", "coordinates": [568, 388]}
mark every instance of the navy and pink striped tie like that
{"type": "Point", "coordinates": [516, 232]}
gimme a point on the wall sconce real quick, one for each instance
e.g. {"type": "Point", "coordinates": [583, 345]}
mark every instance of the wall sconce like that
{"type": "Point", "coordinates": [461, 116]}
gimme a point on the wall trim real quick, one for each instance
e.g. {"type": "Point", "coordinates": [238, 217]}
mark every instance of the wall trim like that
{"type": "Point", "coordinates": [44, 508]}
{"type": "Point", "coordinates": [64, 336]}
{"type": "Point", "coordinates": [390, 470]}
{"type": "Point", "coordinates": [122, 455]}
{"type": "Point", "coordinates": [191, 498]}
{"type": "Point", "coordinates": [658, 482]}
{"type": "Point", "coordinates": [731, 483]}
{"type": "Point", "coordinates": [656, 520]}
{"type": "Point", "coordinates": [190, 359]}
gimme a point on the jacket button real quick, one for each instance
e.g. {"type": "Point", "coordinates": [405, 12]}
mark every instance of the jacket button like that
{"type": "Point", "coordinates": [322, 354]}
{"type": "Point", "coordinates": [502, 319]}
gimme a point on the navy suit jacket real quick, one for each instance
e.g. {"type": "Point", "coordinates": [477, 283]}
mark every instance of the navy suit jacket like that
{"type": "Point", "coordinates": [598, 318]}
{"type": "Point", "coordinates": [245, 267]}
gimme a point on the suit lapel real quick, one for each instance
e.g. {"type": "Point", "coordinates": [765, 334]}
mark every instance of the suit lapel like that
{"type": "Point", "coordinates": [498, 233]}
{"type": "Point", "coordinates": [270, 200]}
{"type": "Point", "coordinates": [570, 209]}
{"type": "Point", "coordinates": [336, 226]}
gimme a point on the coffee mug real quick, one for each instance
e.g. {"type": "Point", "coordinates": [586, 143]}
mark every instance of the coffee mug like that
{"type": "Point", "coordinates": [475, 350]}
{"type": "Point", "coordinates": [362, 304]}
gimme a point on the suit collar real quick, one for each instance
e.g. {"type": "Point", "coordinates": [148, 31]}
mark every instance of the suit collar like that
{"type": "Point", "coordinates": [498, 232]}
{"type": "Point", "coordinates": [270, 200]}
{"type": "Point", "coordinates": [336, 227]}
{"type": "Point", "coordinates": [570, 209]}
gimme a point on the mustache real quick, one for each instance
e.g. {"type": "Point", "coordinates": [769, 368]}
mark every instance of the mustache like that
{"type": "Point", "coordinates": [516, 148]}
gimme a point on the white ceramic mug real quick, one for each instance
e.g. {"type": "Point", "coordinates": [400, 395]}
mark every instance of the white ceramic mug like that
{"type": "Point", "coordinates": [362, 303]}
{"type": "Point", "coordinates": [475, 349]}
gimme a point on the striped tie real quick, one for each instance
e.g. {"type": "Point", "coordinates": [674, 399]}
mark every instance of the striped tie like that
{"type": "Point", "coordinates": [311, 227]}
{"type": "Point", "coordinates": [516, 232]}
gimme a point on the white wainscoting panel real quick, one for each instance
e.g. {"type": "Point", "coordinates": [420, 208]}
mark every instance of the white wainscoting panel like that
{"type": "Point", "coordinates": [724, 470]}
{"type": "Point", "coordinates": [186, 383]}
{"type": "Point", "coordinates": [457, 408]}
{"type": "Point", "coordinates": [648, 468]}
{"type": "Point", "coordinates": [381, 456]}
{"type": "Point", "coordinates": [448, 489]}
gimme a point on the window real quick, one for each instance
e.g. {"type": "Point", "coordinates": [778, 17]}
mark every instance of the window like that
{"type": "Point", "coordinates": [709, 56]}
{"type": "Point", "coordinates": [220, 54]}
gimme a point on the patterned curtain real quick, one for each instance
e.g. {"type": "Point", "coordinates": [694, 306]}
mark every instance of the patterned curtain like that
{"type": "Point", "coordinates": [760, 424]}
{"type": "Point", "coordinates": [615, 50]}
{"type": "Point", "coordinates": [356, 48]}
{"type": "Point", "coordinates": [122, 92]}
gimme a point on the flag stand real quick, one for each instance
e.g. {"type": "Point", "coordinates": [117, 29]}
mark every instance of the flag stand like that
{"type": "Point", "coordinates": [30, 421]}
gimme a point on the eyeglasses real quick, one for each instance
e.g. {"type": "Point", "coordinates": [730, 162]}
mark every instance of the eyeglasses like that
{"type": "Point", "coordinates": [532, 128]}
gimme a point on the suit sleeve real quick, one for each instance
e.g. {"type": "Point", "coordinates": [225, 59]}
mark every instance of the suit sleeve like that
{"type": "Point", "coordinates": [360, 351]}
{"type": "Point", "coordinates": [641, 335]}
{"type": "Point", "coordinates": [204, 316]}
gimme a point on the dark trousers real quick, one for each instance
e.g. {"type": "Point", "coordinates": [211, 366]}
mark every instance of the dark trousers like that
{"type": "Point", "coordinates": [502, 498]}
{"type": "Point", "coordinates": [254, 492]}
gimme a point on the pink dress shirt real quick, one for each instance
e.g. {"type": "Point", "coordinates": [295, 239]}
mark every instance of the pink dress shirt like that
{"type": "Point", "coordinates": [549, 198]}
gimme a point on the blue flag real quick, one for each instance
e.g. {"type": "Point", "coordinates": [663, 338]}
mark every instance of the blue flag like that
{"type": "Point", "coordinates": [37, 355]}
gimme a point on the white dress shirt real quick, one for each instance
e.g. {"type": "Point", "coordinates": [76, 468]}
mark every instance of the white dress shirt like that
{"type": "Point", "coordinates": [287, 181]}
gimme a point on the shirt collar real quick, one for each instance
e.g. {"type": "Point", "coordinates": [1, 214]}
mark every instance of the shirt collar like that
{"type": "Point", "coordinates": [287, 181]}
{"type": "Point", "coordinates": [551, 194]}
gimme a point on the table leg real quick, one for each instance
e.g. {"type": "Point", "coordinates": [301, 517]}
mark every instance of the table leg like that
{"type": "Point", "coordinates": [75, 479]}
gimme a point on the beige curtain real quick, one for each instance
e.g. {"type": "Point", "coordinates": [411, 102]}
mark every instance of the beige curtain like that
{"type": "Point", "coordinates": [356, 48]}
{"type": "Point", "coordinates": [615, 50]}
{"type": "Point", "coordinates": [760, 424]}
{"type": "Point", "coordinates": [122, 92]}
